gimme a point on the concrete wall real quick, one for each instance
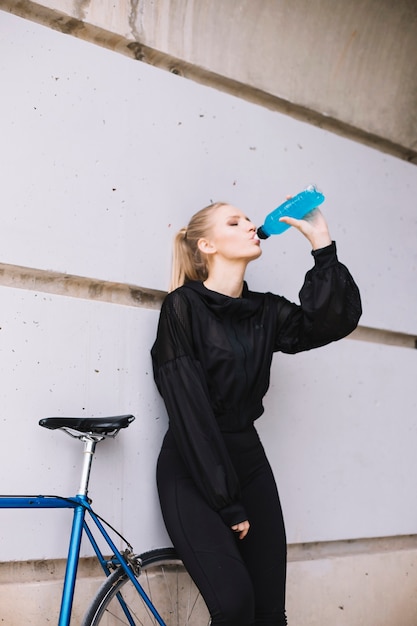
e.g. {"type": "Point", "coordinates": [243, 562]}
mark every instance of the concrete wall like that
{"type": "Point", "coordinates": [350, 67]}
{"type": "Point", "coordinates": [102, 159]}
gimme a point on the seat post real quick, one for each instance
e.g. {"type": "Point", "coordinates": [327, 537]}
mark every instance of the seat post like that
{"type": "Point", "coordinates": [89, 448]}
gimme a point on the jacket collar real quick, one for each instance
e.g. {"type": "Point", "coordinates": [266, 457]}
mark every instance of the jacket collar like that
{"type": "Point", "coordinates": [223, 305]}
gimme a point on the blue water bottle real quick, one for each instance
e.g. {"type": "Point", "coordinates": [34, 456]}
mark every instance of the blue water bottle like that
{"type": "Point", "coordinates": [297, 207]}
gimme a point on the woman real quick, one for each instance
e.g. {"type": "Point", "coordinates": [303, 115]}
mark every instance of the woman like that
{"type": "Point", "coordinates": [212, 359]}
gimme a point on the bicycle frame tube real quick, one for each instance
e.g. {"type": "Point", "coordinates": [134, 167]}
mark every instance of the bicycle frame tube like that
{"type": "Point", "coordinates": [119, 558]}
{"type": "Point", "coordinates": [72, 562]}
{"type": "Point", "coordinates": [36, 502]}
{"type": "Point", "coordinates": [80, 504]}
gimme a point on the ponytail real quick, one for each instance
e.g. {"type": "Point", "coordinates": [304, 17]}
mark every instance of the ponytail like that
{"type": "Point", "coordinates": [188, 262]}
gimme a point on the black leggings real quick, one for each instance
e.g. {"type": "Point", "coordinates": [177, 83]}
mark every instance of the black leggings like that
{"type": "Point", "coordinates": [242, 581]}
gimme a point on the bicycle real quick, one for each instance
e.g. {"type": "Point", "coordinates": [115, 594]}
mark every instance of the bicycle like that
{"type": "Point", "coordinates": [134, 584]}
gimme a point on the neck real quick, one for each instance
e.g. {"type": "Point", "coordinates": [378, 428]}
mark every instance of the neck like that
{"type": "Point", "coordinates": [228, 281]}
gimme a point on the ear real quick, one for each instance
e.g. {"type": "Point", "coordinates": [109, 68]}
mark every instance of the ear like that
{"type": "Point", "coordinates": [206, 246]}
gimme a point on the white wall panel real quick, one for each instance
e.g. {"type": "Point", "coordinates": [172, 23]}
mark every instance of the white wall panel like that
{"type": "Point", "coordinates": [340, 429]}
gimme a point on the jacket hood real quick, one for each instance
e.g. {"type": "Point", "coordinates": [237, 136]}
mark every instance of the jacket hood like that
{"type": "Point", "coordinates": [222, 305]}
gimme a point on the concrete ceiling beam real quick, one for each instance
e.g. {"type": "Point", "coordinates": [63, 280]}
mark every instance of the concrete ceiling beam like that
{"type": "Point", "coordinates": [349, 67]}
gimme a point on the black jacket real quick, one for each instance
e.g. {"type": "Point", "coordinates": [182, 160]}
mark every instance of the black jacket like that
{"type": "Point", "coordinates": [212, 359]}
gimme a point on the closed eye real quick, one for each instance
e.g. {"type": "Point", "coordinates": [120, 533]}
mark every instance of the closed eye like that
{"type": "Point", "coordinates": [235, 220]}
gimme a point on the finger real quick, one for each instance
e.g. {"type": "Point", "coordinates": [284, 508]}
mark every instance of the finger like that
{"type": "Point", "coordinates": [289, 220]}
{"type": "Point", "coordinates": [242, 529]}
{"type": "Point", "coordinates": [307, 218]}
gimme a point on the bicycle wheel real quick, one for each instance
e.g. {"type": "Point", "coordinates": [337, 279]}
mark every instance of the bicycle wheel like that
{"type": "Point", "coordinates": [167, 584]}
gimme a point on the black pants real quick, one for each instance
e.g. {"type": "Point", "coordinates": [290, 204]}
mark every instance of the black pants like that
{"type": "Point", "coordinates": [242, 581]}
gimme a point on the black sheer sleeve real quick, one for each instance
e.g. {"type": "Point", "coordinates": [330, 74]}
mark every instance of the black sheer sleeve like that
{"type": "Point", "coordinates": [330, 306]}
{"type": "Point", "coordinates": [181, 382]}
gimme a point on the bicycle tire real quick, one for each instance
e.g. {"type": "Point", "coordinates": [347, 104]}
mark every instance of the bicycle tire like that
{"type": "Point", "coordinates": [167, 584]}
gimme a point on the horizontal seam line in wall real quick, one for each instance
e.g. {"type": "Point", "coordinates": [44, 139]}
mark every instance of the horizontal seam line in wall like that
{"type": "Point", "coordinates": [61, 284]}
{"type": "Point", "coordinates": [53, 569]}
{"type": "Point", "coordinates": [350, 547]}
{"type": "Point", "coordinates": [45, 570]}
{"type": "Point", "coordinates": [72, 286]}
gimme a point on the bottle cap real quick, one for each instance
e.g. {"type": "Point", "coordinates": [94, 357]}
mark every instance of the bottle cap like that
{"type": "Point", "coordinates": [261, 233]}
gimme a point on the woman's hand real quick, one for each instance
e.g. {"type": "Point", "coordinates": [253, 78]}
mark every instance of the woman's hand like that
{"type": "Point", "coordinates": [313, 226]}
{"type": "Point", "coordinates": [242, 528]}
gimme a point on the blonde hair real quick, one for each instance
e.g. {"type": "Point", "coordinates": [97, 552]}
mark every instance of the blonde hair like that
{"type": "Point", "coordinates": [188, 262]}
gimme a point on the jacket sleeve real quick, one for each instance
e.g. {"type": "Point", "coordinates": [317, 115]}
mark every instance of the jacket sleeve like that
{"type": "Point", "coordinates": [180, 380]}
{"type": "Point", "coordinates": [330, 306]}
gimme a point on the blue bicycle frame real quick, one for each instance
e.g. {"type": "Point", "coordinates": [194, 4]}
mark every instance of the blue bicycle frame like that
{"type": "Point", "coordinates": [81, 504]}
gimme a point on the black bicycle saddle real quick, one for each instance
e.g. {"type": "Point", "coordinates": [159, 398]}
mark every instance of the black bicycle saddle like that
{"type": "Point", "coordinates": [99, 425]}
